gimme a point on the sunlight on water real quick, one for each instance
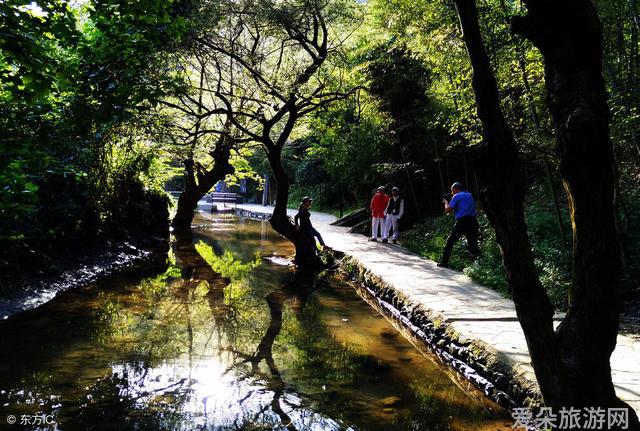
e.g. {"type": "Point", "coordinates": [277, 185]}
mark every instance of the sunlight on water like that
{"type": "Point", "coordinates": [225, 337]}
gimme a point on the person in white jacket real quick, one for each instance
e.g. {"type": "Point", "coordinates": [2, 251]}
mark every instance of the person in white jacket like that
{"type": "Point", "coordinates": [394, 212]}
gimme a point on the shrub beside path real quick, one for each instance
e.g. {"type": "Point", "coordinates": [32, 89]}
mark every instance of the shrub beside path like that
{"type": "Point", "coordinates": [477, 313]}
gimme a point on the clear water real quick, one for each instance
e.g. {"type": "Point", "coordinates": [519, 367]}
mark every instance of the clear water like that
{"type": "Point", "coordinates": [224, 337]}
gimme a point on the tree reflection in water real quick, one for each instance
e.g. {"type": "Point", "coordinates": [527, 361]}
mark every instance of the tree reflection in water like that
{"type": "Point", "coordinates": [298, 291]}
{"type": "Point", "coordinates": [220, 341]}
{"type": "Point", "coordinates": [196, 261]}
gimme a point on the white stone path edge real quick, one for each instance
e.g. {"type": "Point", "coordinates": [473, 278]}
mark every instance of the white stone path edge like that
{"type": "Point", "coordinates": [475, 312]}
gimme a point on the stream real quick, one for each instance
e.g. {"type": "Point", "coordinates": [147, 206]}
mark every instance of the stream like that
{"type": "Point", "coordinates": [225, 336]}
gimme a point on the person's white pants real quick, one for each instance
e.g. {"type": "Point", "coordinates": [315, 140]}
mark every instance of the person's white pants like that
{"type": "Point", "coordinates": [378, 223]}
{"type": "Point", "coordinates": [392, 222]}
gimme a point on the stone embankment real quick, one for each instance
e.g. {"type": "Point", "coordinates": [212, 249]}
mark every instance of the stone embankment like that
{"type": "Point", "coordinates": [470, 327]}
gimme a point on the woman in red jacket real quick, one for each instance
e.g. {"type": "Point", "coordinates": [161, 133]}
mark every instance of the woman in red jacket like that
{"type": "Point", "coordinates": [378, 205]}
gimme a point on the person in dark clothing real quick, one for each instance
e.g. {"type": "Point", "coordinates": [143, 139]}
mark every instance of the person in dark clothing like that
{"type": "Point", "coordinates": [394, 212]}
{"type": "Point", "coordinates": [303, 221]}
{"type": "Point", "coordinates": [463, 206]}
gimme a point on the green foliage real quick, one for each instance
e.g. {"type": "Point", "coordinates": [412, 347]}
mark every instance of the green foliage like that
{"type": "Point", "coordinates": [17, 197]}
{"type": "Point", "coordinates": [227, 264]}
{"type": "Point", "coordinates": [124, 62]}
{"type": "Point", "coordinates": [410, 59]}
{"type": "Point", "coordinates": [400, 80]}
{"type": "Point", "coordinates": [85, 132]}
{"type": "Point", "coordinates": [71, 78]}
{"type": "Point", "coordinates": [347, 139]}
{"type": "Point", "coordinates": [33, 39]}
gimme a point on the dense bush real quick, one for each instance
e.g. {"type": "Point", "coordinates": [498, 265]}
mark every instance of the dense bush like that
{"type": "Point", "coordinates": [72, 81]}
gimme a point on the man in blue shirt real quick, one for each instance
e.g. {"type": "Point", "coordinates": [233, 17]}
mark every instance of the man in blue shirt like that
{"type": "Point", "coordinates": [463, 206]}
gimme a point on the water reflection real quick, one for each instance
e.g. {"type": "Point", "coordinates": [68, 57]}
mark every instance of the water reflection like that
{"type": "Point", "coordinates": [224, 339]}
{"type": "Point", "coordinates": [297, 291]}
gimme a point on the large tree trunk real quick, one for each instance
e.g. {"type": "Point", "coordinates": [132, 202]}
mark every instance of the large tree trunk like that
{"type": "Point", "coordinates": [500, 170]}
{"type": "Point", "coordinates": [569, 35]}
{"type": "Point", "coordinates": [572, 367]}
{"type": "Point", "coordinates": [306, 255]}
{"type": "Point", "coordinates": [535, 118]}
{"type": "Point", "coordinates": [188, 200]}
{"type": "Point", "coordinates": [198, 183]}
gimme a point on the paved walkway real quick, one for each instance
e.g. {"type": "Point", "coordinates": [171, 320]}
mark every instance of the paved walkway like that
{"type": "Point", "coordinates": [476, 312]}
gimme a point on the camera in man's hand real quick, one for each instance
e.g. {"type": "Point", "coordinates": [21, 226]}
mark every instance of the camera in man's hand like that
{"type": "Point", "coordinates": [447, 197]}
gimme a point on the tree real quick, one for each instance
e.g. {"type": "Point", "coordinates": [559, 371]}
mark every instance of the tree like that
{"type": "Point", "coordinates": [571, 364]}
{"type": "Point", "coordinates": [71, 77]}
{"type": "Point", "coordinates": [400, 80]}
{"type": "Point", "coordinates": [189, 123]}
{"type": "Point", "coordinates": [344, 146]}
{"type": "Point", "coordinates": [271, 63]}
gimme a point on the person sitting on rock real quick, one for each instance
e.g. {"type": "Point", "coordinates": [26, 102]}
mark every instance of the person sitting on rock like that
{"type": "Point", "coordinates": [303, 221]}
{"type": "Point", "coordinates": [378, 206]}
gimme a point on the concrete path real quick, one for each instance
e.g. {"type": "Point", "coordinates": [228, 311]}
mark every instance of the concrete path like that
{"type": "Point", "coordinates": [476, 312]}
